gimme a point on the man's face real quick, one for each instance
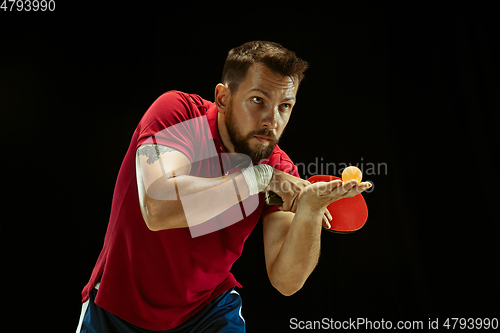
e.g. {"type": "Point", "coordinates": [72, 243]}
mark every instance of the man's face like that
{"type": "Point", "coordinates": [259, 111]}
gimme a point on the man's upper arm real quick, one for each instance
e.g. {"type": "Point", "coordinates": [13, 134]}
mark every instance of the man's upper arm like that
{"type": "Point", "coordinates": [275, 226]}
{"type": "Point", "coordinates": [155, 161]}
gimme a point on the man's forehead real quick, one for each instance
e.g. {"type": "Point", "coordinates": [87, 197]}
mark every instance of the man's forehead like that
{"type": "Point", "coordinates": [260, 78]}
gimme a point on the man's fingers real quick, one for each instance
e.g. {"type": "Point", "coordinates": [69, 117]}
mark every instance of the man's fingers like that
{"type": "Point", "coordinates": [334, 184]}
{"type": "Point", "coordinates": [328, 215]}
{"type": "Point", "coordinates": [294, 204]}
{"type": "Point", "coordinates": [347, 189]}
{"type": "Point", "coordinates": [326, 223]}
{"type": "Point", "coordinates": [290, 205]}
{"type": "Point", "coordinates": [286, 206]}
{"type": "Point", "coordinates": [327, 187]}
{"type": "Point", "coordinates": [347, 186]}
{"type": "Point", "coordinates": [357, 189]}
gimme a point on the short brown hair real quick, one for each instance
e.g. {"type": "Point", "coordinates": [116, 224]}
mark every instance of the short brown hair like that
{"type": "Point", "coordinates": [272, 55]}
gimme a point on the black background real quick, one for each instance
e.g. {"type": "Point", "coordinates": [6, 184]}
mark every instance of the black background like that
{"type": "Point", "coordinates": [413, 87]}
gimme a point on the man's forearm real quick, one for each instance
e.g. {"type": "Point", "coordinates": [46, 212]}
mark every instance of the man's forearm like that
{"type": "Point", "coordinates": [299, 253]}
{"type": "Point", "coordinates": [166, 199]}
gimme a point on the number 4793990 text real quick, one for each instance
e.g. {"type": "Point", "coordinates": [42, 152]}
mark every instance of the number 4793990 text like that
{"type": "Point", "coordinates": [27, 5]}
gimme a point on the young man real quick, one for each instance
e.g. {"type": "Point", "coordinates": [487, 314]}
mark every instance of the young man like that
{"type": "Point", "coordinates": [190, 191]}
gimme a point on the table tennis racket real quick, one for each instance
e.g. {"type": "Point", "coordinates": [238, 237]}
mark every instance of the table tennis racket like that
{"type": "Point", "coordinates": [348, 215]}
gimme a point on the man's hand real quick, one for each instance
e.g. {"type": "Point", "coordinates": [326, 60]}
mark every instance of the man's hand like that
{"type": "Point", "coordinates": [319, 195]}
{"type": "Point", "coordinates": [288, 188]}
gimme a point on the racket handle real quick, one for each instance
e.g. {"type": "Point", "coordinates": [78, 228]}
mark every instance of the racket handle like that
{"type": "Point", "coordinates": [273, 199]}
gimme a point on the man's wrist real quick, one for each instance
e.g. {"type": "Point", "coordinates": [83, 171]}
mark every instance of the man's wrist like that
{"type": "Point", "coordinates": [258, 177]}
{"type": "Point", "coordinates": [308, 213]}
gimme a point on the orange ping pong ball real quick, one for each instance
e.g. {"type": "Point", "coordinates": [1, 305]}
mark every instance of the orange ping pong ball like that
{"type": "Point", "coordinates": [351, 172]}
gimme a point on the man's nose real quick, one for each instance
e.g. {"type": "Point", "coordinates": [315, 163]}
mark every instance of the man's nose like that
{"type": "Point", "coordinates": [271, 118]}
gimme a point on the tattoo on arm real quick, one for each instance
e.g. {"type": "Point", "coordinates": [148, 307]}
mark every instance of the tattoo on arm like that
{"type": "Point", "coordinates": [153, 151]}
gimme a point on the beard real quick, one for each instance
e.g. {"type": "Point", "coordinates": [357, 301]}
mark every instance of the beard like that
{"type": "Point", "coordinates": [241, 142]}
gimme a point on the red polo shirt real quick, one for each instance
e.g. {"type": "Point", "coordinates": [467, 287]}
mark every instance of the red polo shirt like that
{"type": "Point", "coordinates": [158, 280]}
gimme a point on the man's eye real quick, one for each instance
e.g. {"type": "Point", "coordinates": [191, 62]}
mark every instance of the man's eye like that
{"type": "Point", "coordinates": [257, 100]}
{"type": "Point", "coordinates": [286, 107]}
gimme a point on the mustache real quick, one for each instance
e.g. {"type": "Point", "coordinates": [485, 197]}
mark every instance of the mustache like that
{"type": "Point", "coordinates": [264, 132]}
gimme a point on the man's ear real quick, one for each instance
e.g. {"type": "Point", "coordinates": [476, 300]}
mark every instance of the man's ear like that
{"type": "Point", "coordinates": [221, 97]}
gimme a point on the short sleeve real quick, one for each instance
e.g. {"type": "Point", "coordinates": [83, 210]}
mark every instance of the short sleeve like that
{"type": "Point", "coordinates": [174, 120]}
